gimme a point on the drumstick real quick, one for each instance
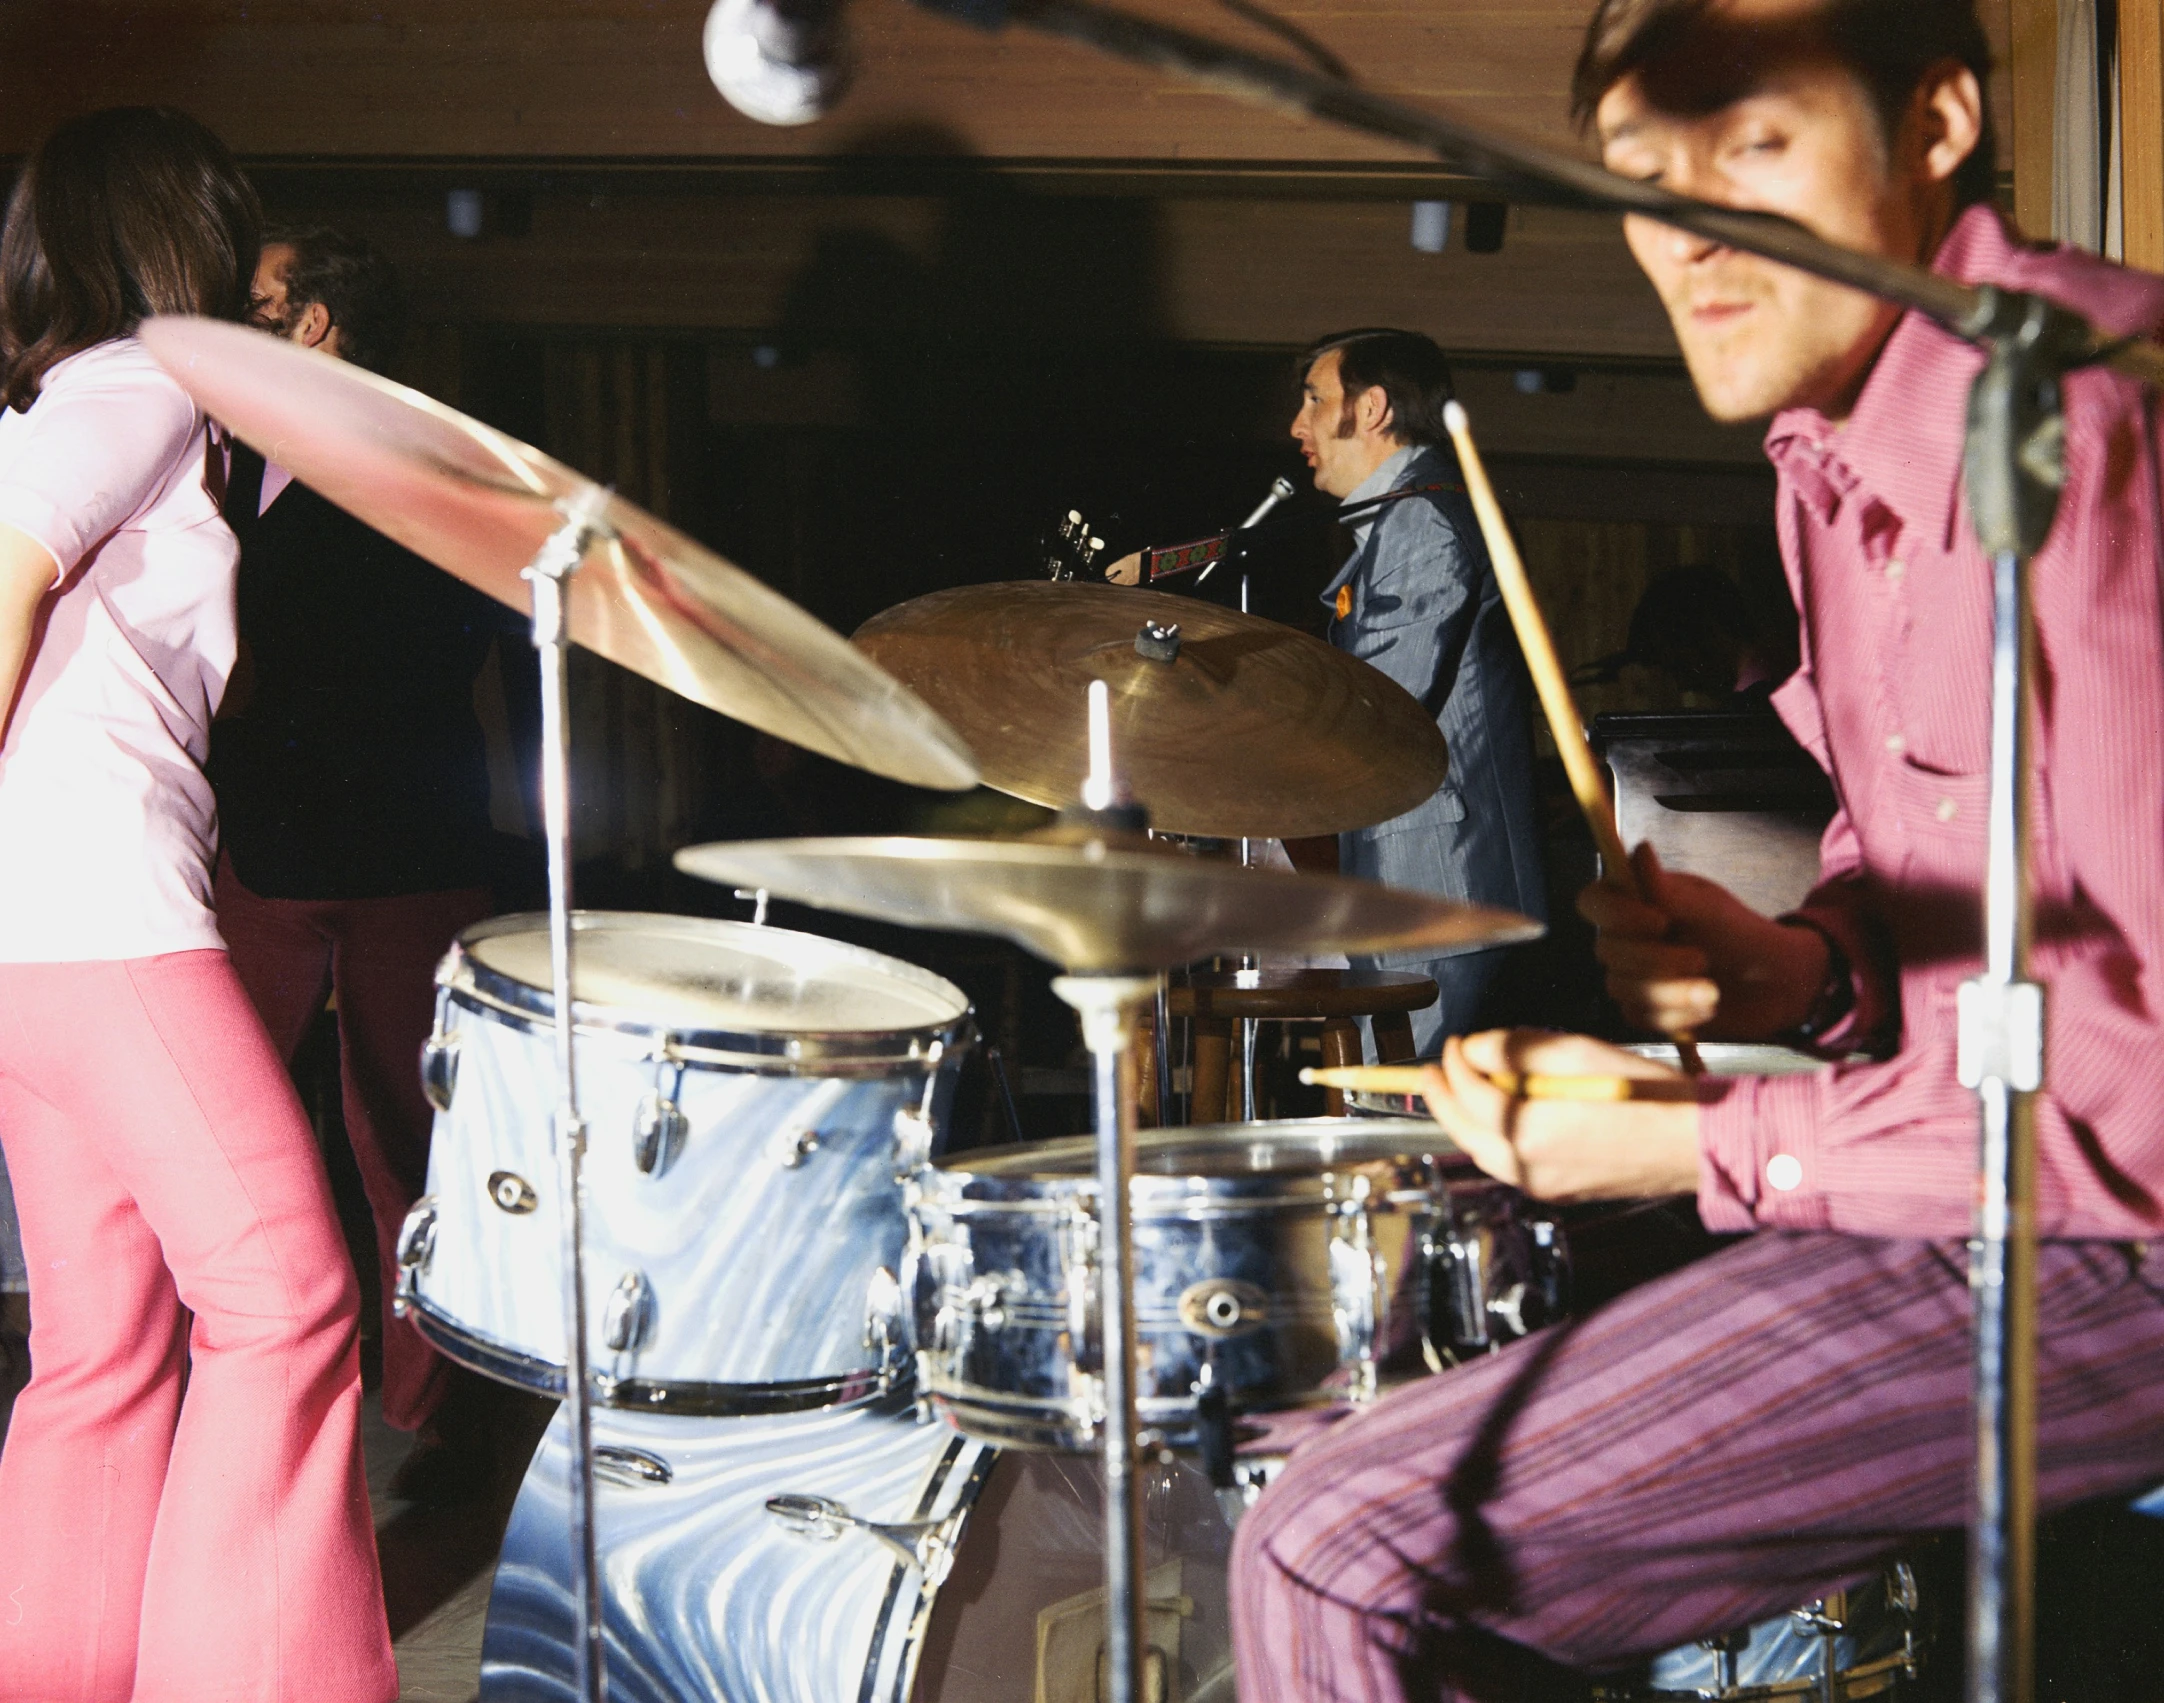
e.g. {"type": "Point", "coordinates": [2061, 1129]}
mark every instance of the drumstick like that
{"type": "Point", "coordinates": [1413, 1079]}
{"type": "Point", "coordinates": [1549, 682]}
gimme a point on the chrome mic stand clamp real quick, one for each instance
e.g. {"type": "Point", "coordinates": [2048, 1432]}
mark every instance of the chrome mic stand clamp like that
{"type": "Point", "coordinates": [2013, 468]}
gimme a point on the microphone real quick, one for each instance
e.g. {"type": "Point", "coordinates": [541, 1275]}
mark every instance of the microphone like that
{"type": "Point", "coordinates": [779, 61]}
{"type": "Point", "coordinates": [1280, 489]}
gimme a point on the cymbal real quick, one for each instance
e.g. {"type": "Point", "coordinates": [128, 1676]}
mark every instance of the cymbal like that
{"type": "Point", "coordinates": [1093, 908]}
{"type": "Point", "coordinates": [478, 504]}
{"type": "Point", "coordinates": [1253, 729]}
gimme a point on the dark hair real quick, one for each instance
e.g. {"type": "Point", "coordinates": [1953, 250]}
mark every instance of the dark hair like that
{"type": "Point", "coordinates": [119, 215]}
{"type": "Point", "coordinates": [1407, 365]}
{"type": "Point", "coordinates": [1889, 45]}
{"type": "Point", "coordinates": [353, 283]}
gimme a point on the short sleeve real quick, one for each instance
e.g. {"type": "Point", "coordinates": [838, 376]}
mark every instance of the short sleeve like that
{"type": "Point", "coordinates": [104, 436]}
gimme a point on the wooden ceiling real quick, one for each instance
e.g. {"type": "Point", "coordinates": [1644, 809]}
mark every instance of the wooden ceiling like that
{"type": "Point", "coordinates": [624, 80]}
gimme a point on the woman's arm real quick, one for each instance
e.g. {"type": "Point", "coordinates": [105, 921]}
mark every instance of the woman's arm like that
{"type": "Point", "coordinates": [27, 572]}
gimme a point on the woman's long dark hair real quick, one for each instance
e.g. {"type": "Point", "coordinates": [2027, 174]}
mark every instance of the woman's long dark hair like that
{"type": "Point", "coordinates": [119, 215]}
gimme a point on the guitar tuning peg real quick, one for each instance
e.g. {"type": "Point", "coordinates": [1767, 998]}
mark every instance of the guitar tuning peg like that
{"type": "Point", "coordinates": [1074, 517]}
{"type": "Point", "coordinates": [1096, 544]}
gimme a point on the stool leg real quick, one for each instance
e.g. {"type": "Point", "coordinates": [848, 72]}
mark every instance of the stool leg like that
{"type": "Point", "coordinates": [1340, 1046]}
{"type": "Point", "coordinates": [1212, 1070]}
{"type": "Point", "coordinates": [1393, 1037]}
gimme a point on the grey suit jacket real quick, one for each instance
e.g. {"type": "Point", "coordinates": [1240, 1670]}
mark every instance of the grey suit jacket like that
{"type": "Point", "coordinates": [1427, 612]}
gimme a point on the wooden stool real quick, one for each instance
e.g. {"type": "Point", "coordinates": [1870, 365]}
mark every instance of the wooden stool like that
{"type": "Point", "coordinates": [1213, 1001]}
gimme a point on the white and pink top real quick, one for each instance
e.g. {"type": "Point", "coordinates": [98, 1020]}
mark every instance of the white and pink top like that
{"type": "Point", "coordinates": [108, 829]}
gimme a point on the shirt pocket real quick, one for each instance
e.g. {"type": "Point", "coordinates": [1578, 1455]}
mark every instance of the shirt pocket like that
{"type": "Point", "coordinates": [1941, 667]}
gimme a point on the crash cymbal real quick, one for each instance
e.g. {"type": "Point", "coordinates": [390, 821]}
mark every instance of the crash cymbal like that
{"type": "Point", "coordinates": [1250, 729]}
{"type": "Point", "coordinates": [479, 504]}
{"type": "Point", "coordinates": [1093, 908]}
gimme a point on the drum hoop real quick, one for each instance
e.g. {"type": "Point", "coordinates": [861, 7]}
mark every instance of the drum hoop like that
{"type": "Point", "coordinates": [496, 1360]}
{"type": "Point", "coordinates": [522, 1006]}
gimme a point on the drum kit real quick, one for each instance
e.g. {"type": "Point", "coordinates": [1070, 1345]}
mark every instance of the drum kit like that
{"type": "Point", "coordinates": [687, 1174]}
{"type": "Point", "coordinates": [843, 1416]}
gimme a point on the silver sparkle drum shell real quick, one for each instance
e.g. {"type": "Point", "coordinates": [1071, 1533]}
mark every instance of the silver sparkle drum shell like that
{"type": "Point", "coordinates": [1280, 1264]}
{"type": "Point", "coordinates": [752, 1098]}
{"type": "Point", "coordinates": [851, 1556]}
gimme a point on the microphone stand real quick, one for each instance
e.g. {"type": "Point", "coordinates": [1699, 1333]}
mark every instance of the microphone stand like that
{"type": "Point", "coordinates": [2013, 470]}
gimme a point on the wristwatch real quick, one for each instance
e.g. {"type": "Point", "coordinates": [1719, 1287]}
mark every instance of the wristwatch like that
{"type": "Point", "coordinates": [1836, 997]}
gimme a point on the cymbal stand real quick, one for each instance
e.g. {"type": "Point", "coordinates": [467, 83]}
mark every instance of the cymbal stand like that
{"type": "Point", "coordinates": [1108, 1005]}
{"type": "Point", "coordinates": [550, 575]}
{"type": "Point", "coordinates": [1244, 1109]}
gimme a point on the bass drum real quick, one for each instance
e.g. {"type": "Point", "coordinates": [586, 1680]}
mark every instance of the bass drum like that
{"type": "Point", "coordinates": [850, 1556]}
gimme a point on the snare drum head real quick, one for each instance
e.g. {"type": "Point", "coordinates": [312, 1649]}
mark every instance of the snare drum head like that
{"type": "Point", "coordinates": [695, 977]}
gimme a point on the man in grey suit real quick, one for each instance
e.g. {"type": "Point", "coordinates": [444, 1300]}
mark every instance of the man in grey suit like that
{"type": "Point", "coordinates": [1417, 599]}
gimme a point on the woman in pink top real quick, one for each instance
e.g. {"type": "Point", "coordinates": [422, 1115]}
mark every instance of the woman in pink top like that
{"type": "Point", "coordinates": [150, 1547]}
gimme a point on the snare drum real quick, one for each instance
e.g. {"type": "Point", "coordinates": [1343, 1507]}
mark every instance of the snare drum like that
{"type": "Point", "coordinates": [752, 1099]}
{"type": "Point", "coordinates": [1281, 1264]}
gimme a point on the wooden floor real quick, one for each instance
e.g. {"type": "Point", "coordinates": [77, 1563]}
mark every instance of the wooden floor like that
{"type": "Point", "coordinates": [439, 1653]}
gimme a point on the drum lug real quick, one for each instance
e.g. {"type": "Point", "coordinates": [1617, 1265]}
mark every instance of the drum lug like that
{"type": "Point", "coordinates": [912, 1143]}
{"type": "Point", "coordinates": [793, 1146]}
{"type": "Point", "coordinates": [439, 1068]}
{"type": "Point", "coordinates": [884, 1333]}
{"type": "Point", "coordinates": [915, 1130]}
{"type": "Point", "coordinates": [1355, 1297]}
{"type": "Point", "coordinates": [924, 1546]}
{"type": "Point", "coordinates": [657, 1133]}
{"type": "Point", "coordinates": [636, 1468]}
{"type": "Point", "coordinates": [629, 1314]}
{"type": "Point", "coordinates": [416, 1243]}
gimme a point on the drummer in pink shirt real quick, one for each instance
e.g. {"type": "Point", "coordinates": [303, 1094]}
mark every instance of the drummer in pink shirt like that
{"type": "Point", "coordinates": [217, 1547]}
{"type": "Point", "coordinates": [1737, 1438]}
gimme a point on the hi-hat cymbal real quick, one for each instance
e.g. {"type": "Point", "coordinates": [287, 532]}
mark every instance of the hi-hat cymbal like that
{"type": "Point", "coordinates": [479, 504]}
{"type": "Point", "coordinates": [1093, 908]}
{"type": "Point", "coordinates": [1252, 729]}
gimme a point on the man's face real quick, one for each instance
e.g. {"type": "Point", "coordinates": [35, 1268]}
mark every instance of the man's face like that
{"type": "Point", "coordinates": [1801, 137]}
{"type": "Point", "coordinates": [268, 309]}
{"type": "Point", "coordinates": [1332, 437]}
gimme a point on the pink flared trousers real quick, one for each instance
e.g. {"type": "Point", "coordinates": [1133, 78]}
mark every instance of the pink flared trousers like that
{"type": "Point", "coordinates": [216, 1549]}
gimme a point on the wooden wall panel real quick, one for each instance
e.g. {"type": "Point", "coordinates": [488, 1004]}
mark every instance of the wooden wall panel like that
{"type": "Point", "coordinates": [1240, 271]}
{"type": "Point", "coordinates": [624, 78]}
{"type": "Point", "coordinates": [2033, 54]}
{"type": "Point", "coordinates": [2141, 103]}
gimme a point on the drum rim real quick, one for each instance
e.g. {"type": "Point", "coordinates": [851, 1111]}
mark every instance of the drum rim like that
{"type": "Point", "coordinates": [480, 1353]}
{"type": "Point", "coordinates": [494, 993]}
{"type": "Point", "coordinates": [968, 1177]}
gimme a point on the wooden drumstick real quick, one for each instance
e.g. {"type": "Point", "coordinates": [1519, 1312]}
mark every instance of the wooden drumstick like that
{"type": "Point", "coordinates": [1550, 683]}
{"type": "Point", "coordinates": [1413, 1079]}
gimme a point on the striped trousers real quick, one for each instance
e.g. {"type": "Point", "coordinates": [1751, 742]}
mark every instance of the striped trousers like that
{"type": "Point", "coordinates": [1711, 1449]}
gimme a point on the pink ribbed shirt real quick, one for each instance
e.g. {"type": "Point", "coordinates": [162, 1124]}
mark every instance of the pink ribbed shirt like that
{"type": "Point", "coordinates": [1893, 698]}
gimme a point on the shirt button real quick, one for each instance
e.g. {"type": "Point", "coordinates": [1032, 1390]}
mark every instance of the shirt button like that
{"type": "Point", "coordinates": [1947, 810]}
{"type": "Point", "coordinates": [1896, 744]}
{"type": "Point", "coordinates": [1784, 1171]}
{"type": "Point", "coordinates": [1897, 570]}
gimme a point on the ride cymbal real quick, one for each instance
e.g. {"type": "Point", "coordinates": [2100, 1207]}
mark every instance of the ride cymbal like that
{"type": "Point", "coordinates": [1250, 728]}
{"type": "Point", "coordinates": [1093, 908]}
{"type": "Point", "coordinates": [478, 504]}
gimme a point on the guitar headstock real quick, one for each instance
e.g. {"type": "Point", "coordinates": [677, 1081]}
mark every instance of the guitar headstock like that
{"type": "Point", "coordinates": [1071, 550]}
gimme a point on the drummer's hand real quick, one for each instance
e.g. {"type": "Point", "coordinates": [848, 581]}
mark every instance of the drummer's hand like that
{"type": "Point", "coordinates": [1564, 1150]}
{"type": "Point", "coordinates": [1699, 959]}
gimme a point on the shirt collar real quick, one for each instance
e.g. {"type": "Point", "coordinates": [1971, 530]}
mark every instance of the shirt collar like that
{"type": "Point", "coordinates": [1383, 480]}
{"type": "Point", "coordinates": [1911, 465]}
